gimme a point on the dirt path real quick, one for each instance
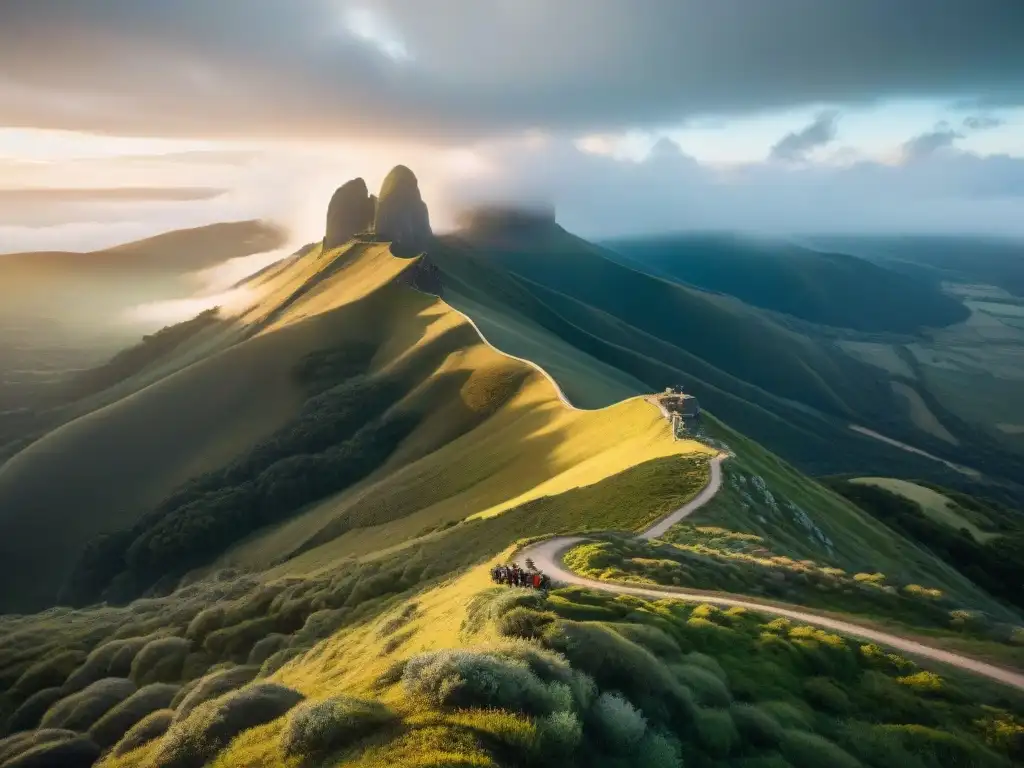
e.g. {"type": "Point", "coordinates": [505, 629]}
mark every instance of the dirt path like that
{"type": "Point", "coordinates": [547, 556]}
{"type": "Point", "coordinates": [707, 493]}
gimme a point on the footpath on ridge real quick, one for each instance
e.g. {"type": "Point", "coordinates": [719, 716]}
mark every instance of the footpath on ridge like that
{"type": "Point", "coordinates": [547, 556]}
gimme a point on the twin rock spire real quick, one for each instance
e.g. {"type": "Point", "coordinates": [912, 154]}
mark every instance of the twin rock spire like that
{"type": "Point", "coordinates": [397, 215]}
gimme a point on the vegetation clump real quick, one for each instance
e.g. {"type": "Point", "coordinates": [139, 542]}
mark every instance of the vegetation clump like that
{"type": "Point", "coordinates": [212, 686]}
{"type": "Point", "coordinates": [79, 711]}
{"type": "Point", "coordinates": [152, 726]}
{"type": "Point", "coordinates": [315, 729]}
{"type": "Point", "coordinates": [160, 660]}
{"type": "Point", "coordinates": [109, 729]}
{"type": "Point", "coordinates": [191, 742]}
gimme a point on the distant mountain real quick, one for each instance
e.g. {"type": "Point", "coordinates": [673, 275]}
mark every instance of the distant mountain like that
{"type": "Point", "coordinates": [182, 250]}
{"type": "Point", "coordinates": [821, 287]}
{"type": "Point", "coordinates": [985, 260]}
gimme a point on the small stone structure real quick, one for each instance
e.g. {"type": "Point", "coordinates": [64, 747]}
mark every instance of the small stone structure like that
{"type": "Point", "coordinates": [682, 410]}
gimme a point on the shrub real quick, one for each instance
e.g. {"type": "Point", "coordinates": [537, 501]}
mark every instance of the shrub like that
{"type": "Point", "coordinates": [655, 640]}
{"type": "Point", "coordinates": [152, 726]}
{"type": "Point", "coordinates": [708, 689]}
{"type": "Point", "coordinates": [787, 714]}
{"type": "Point", "coordinates": [79, 711]}
{"type": "Point", "coordinates": [77, 752]}
{"type": "Point", "coordinates": [716, 732]}
{"type": "Point", "coordinates": [807, 750]}
{"type": "Point", "coordinates": [756, 726]}
{"type": "Point", "coordinates": [552, 667]}
{"type": "Point", "coordinates": [51, 672]}
{"type": "Point", "coordinates": [825, 694]}
{"type": "Point", "coordinates": [279, 659]}
{"type": "Point", "coordinates": [160, 660]}
{"type": "Point", "coordinates": [21, 742]}
{"type": "Point", "coordinates": [922, 682]}
{"type": "Point", "coordinates": [619, 724]}
{"type": "Point", "coordinates": [560, 733]}
{"type": "Point", "coordinates": [709, 663]}
{"type": "Point", "coordinates": [212, 686]}
{"type": "Point", "coordinates": [321, 625]}
{"type": "Point", "coordinates": [523, 622]}
{"type": "Point", "coordinates": [203, 623]}
{"type": "Point", "coordinates": [237, 640]}
{"type": "Point", "coordinates": [657, 750]}
{"type": "Point", "coordinates": [114, 724]}
{"type": "Point", "coordinates": [494, 603]}
{"type": "Point", "coordinates": [617, 664]}
{"type": "Point", "coordinates": [28, 715]}
{"type": "Point", "coordinates": [267, 647]}
{"type": "Point", "coordinates": [391, 675]}
{"type": "Point", "coordinates": [937, 747]}
{"type": "Point", "coordinates": [315, 729]}
{"type": "Point", "coordinates": [462, 678]}
{"type": "Point", "coordinates": [191, 742]}
{"type": "Point", "coordinates": [876, 746]}
{"type": "Point", "coordinates": [112, 659]}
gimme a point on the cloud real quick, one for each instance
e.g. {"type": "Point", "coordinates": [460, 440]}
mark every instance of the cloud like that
{"type": "Point", "coordinates": [796, 145]}
{"type": "Point", "coordinates": [58, 195]}
{"type": "Point", "coordinates": [600, 196]}
{"type": "Point", "coordinates": [451, 70]}
{"type": "Point", "coordinates": [930, 142]}
{"type": "Point", "coordinates": [981, 122]}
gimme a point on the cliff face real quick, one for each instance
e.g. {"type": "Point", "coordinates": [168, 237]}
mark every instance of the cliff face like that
{"type": "Point", "coordinates": [350, 212]}
{"type": "Point", "coordinates": [402, 215]}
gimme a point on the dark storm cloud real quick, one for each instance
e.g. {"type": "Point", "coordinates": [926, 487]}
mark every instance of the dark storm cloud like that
{"type": "Point", "coordinates": [289, 67]}
{"type": "Point", "coordinates": [796, 144]}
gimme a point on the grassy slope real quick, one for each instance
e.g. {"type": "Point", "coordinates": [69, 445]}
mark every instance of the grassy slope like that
{"type": "Point", "coordinates": [794, 393]}
{"type": "Point", "coordinates": [116, 462]}
{"type": "Point", "coordinates": [827, 288]}
{"type": "Point", "coordinates": [201, 416]}
{"type": "Point", "coordinates": [531, 446]}
{"type": "Point", "coordinates": [860, 543]}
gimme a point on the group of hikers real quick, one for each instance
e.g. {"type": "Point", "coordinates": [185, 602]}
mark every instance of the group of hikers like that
{"type": "Point", "coordinates": [515, 576]}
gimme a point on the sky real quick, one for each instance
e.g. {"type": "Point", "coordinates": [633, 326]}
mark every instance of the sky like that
{"type": "Point", "coordinates": [123, 118]}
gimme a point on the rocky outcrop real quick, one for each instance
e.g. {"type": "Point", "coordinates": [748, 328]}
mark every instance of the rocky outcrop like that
{"type": "Point", "coordinates": [424, 276]}
{"type": "Point", "coordinates": [350, 212]}
{"type": "Point", "coordinates": [402, 216]}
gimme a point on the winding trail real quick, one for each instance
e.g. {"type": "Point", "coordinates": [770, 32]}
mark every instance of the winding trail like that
{"type": "Point", "coordinates": [548, 557]}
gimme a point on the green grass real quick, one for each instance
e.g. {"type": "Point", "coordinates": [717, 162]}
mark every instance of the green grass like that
{"type": "Point", "coordinates": [852, 540]}
{"type": "Point", "coordinates": [652, 684]}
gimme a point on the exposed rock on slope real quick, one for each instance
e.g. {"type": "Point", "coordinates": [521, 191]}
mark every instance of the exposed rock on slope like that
{"type": "Point", "coordinates": [402, 215]}
{"type": "Point", "coordinates": [350, 211]}
{"type": "Point", "coordinates": [424, 276]}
